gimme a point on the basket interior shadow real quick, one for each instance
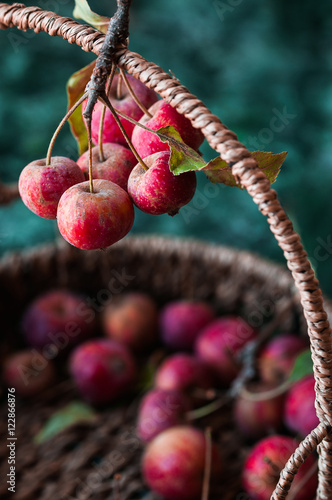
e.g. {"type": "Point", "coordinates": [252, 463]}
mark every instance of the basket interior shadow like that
{"type": "Point", "coordinates": [80, 461]}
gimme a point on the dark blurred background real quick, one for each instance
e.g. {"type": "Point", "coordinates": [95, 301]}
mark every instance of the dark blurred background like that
{"type": "Point", "coordinates": [263, 66]}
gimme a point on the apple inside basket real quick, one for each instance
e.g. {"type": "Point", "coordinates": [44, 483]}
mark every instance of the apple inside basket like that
{"type": "Point", "coordinates": [70, 444]}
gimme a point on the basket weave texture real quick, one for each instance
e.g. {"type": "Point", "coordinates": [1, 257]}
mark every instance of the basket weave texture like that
{"type": "Point", "coordinates": [246, 171]}
{"type": "Point", "coordinates": [80, 462]}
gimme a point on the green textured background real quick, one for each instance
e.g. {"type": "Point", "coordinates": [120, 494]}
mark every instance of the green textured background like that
{"type": "Point", "coordinates": [248, 60]}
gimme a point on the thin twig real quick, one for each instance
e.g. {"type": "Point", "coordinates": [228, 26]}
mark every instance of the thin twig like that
{"type": "Point", "coordinates": [88, 129]}
{"type": "Point", "coordinates": [102, 117]}
{"type": "Point", "coordinates": [103, 98]}
{"type": "Point", "coordinates": [116, 36]}
{"type": "Point", "coordinates": [208, 464]}
{"type": "Point", "coordinates": [119, 87]}
{"type": "Point", "coordinates": [61, 124]}
{"type": "Point", "coordinates": [133, 95]}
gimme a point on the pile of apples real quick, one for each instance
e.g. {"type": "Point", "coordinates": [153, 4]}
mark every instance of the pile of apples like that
{"type": "Point", "coordinates": [107, 348]}
{"type": "Point", "coordinates": [58, 188]}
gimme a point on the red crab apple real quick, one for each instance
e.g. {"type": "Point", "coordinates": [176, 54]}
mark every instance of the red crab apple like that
{"type": "Point", "coordinates": [163, 114]}
{"type": "Point", "coordinates": [132, 320]}
{"type": "Point", "coordinates": [264, 464]}
{"type": "Point", "coordinates": [57, 320]}
{"type": "Point", "coordinates": [124, 103]}
{"type": "Point", "coordinates": [95, 220]}
{"type": "Point", "coordinates": [160, 410]}
{"type": "Point", "coordinates": [173, 463]}
{"type": "Point", "coordinates": [181, 322]}
{"type": "Point", "coordinates": [28, 372]}
{"type": "Point", "coordinates": [41, 185]}
{"type": "Point", "coordinates": [183, 372]}
{"type": "Point", "coordinates": [300, 414]}
{"type": "Point", "coordinates": [102, 369]}
{"type": "Point", "coordinates": [157, 190]}
{"type": "Point", "coordinates": [276, 359]}
{"type": "Point", "coordinates": [257, 418]}
{"type": "Point", "coordinates": [220, 343]}
{"type": "Point", "coordinates": [119, 162]}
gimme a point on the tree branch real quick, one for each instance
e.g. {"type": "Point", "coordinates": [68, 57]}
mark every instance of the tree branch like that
{"type": "Point", "coordinates": [117, 35]}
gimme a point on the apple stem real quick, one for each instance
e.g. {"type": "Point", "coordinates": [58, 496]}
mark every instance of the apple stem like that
{"type": "Point", "coordinates": [203, 411]}
{"type": "Point", "coordinates": [106, 101]}
{"type": "Point", "coordinates": [88, 128]}
{"type": "Point", "coordinates": [102, 117]}
{"type": "Point", "coordinates": [208, 463]}
{"type": "Point", "coordinates": [117, 488]}
{"type": "Point", "coordinates": [248, 354]}
{"type": "Point", "coordinates": [263, 396]}
{"type": "Point", "coordinates": [61, 124]}
{"type": "Point", "coordinates": [119, 87]}
{"type": "Point", "coordinates": [273, 466]}
{"type": "Point", "coordinates": [133, 95]}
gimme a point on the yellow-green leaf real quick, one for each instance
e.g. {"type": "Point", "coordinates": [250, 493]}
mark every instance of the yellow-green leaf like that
{"type": "Point", "coordinates": [71, 414]}
{"type": "Point", "coordinates": [183, 158]}
{"type": "Point", "coordinates": [218, 170]}
{"type": "Point", "coordinates": [82, 11]}
{"type": "Point", "coordinates": [75, 89]}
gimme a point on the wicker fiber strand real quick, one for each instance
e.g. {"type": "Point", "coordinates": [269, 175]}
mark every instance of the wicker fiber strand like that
{"type": "Point", "coordinates": [307, 446]}
{"type": "Point", "coordinates": [246, 171]}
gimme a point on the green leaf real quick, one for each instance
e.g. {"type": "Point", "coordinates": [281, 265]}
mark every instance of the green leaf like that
{"type": "Point", "coordinates": [75, 89]}
{"type": "Point", "coordinates": [146, 377]}
{"type": "Point", "coordinates": [71, 414]}
{"type": "Point", "coordinates": [270, 163]}
{"type": "Point", "coordinates": [82, 11]}
{"type": "Point", "coordinates": [217, 170]}
{"type": "Point", "coordinates": [183, 158]}
{"type": "Point", "coordinates": [302, 367]}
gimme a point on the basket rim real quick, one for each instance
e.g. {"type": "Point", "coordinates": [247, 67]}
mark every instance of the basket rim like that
{"type": "Point", "coordinates": [167, 245]}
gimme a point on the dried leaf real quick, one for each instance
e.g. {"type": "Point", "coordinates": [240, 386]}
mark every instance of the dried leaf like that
{"type": "Point", "coordinates": [75, 89]}
{"type": "Point", "coordinates": [218, 170]}
{"type": "Point", "coordinates": [184, 159]}
{"type": "Point", "coordinates": [82, 11]}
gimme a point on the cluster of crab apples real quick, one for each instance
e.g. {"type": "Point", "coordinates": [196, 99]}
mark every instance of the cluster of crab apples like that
{"type": "Point", "coordinates": [194, 355]}
{"type": "Point", "coordinates": [96, 213]}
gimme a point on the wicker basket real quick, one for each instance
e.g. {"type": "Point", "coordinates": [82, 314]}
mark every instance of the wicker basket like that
{"type": "Point", "coordinates": [78, 462]}
{"type": "Point", "coordinates": [197, 271]}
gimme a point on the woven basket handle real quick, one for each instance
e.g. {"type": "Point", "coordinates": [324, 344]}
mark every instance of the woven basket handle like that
{"type": "Point", "coordinates": [246, 170]}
